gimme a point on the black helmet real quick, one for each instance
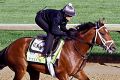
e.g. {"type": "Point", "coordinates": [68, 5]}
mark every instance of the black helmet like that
{"type": "Point", "coordinates": [69, 10]}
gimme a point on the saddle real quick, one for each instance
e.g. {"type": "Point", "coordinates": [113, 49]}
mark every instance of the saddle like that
{"type": "Point", "coordinates": [36, 47]}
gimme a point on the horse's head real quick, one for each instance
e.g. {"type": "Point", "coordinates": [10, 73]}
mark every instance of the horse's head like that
{"type": "Point", "coordinates": [103, 38]}
{"type": "Point", "coordinates": [96, 33]}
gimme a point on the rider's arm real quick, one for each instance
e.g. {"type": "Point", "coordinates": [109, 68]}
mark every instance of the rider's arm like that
{"type": "Point", "coordinates": [63, 27]}
{"type": "Point", "coordinates": [55, 28]}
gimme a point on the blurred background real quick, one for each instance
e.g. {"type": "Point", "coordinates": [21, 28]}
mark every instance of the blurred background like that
{"type": "Point", "coordinates": [24, 11]}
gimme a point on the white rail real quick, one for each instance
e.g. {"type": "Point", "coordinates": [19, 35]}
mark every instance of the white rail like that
{"type": "Point", "coordinates": [112, 27]}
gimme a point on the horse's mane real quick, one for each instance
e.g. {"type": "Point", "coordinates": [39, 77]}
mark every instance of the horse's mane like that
{"type": "Point", "coordinates": [85, 26]}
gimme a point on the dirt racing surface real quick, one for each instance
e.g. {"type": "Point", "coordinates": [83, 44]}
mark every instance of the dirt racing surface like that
{"type": "Point", "coordinates": [95, 71]}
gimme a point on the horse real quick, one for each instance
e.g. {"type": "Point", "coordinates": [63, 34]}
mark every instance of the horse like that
{"type": "Point", "coordinates": [72, 58]}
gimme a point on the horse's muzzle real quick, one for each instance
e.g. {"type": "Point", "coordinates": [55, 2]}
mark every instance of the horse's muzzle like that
{"type": "Point", "coordinates": [112, 49]}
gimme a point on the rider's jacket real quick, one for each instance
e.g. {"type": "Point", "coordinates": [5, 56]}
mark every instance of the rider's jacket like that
{"type": "Point", "coordinates": [55, 19]}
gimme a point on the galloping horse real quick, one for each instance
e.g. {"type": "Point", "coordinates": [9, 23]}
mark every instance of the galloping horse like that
{"type": "Point", "coordinates": [73, 54]}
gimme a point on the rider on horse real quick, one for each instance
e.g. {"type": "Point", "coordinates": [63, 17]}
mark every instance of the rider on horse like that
{"type": "Point", "coordinates": [53, 22]}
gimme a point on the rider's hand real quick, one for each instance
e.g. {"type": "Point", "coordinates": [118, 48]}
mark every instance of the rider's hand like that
{"type": "Point", "coordinates": [72, 33]}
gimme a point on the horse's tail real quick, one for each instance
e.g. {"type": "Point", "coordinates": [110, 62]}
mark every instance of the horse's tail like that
{"type": "Point", "coordinates": [2, 58]}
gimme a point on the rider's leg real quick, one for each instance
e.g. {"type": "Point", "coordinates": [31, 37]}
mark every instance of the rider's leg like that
{"type": "Point", "coordinates": [48, 44]}
{"type": "Point", "coordinates": [41, 23]}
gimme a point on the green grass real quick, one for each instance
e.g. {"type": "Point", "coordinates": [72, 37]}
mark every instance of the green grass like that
{"type": "Point", "coordinates": [7, 37]}
{"type": "Point", "coordinates": [24, 11]}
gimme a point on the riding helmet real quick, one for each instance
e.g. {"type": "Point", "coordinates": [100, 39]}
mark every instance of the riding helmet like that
{"type": "Point", "coordinates": [69, 10]}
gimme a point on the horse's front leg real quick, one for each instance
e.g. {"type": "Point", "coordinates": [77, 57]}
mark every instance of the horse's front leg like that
{"type": "Point", "coordinates": [20, 71]}
{"type": "Point", "coordinates": [19, 66]}
{"type": "Point", "coordinates": [81, 75]}
{"type": "Point", "coordinates": [62, 76]}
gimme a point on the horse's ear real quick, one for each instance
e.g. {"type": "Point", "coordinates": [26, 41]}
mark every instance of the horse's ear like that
{"type": "Point", "coordinates": [102, 21]}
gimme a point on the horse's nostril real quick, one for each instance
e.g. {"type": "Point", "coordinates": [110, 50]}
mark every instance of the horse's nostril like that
{"type": "Point", "coordinates": [113, 48]}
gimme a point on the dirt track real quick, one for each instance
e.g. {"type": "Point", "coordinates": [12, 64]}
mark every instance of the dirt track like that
{"type": "Point", "coordinates": [95, 71]}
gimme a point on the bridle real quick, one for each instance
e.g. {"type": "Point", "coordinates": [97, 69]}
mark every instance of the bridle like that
{"type": "Point", "coordinates": [104, 42]}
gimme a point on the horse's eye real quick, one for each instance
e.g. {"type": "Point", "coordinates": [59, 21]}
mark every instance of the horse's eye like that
{"type": "Point", "coordinates": [102, 33]}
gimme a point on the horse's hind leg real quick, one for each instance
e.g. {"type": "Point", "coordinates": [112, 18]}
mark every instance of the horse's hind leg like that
{"type": "Point", "coordinates": [81, 75]}
{"type": "Point", "coordinates": [34, 75]}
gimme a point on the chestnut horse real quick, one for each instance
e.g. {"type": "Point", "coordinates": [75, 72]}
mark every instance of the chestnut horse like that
{"type": "Point", "coordinates": [73, 54]}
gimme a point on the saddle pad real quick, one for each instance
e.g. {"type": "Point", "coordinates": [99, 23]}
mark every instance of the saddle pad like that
{"type": "Point", "coordinates": [33, 56]}
{"type": "Point", "coordinates": [37, 45]}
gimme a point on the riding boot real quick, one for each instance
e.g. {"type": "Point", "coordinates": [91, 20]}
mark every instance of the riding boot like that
{"type": "Point", "coordinates": [48, 44]}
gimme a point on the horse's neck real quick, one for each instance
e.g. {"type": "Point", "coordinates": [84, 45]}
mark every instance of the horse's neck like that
{"type": "Point", "coordinates": [84, 44]}
{"type": "Point", "coordinates": [76, 47]}
{"type": "Point", "coordinates": [81, 47]}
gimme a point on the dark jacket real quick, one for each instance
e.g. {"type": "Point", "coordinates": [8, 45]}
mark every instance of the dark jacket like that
{"type": "Point", "coordinates": [56, 21]}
